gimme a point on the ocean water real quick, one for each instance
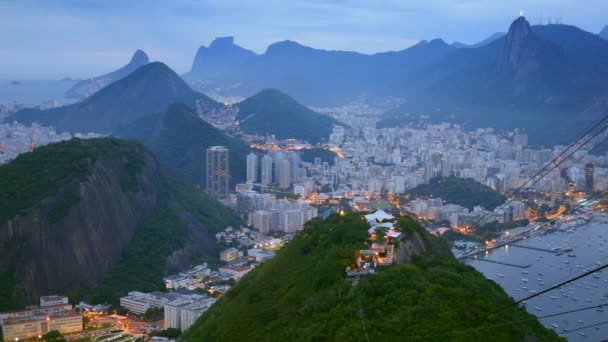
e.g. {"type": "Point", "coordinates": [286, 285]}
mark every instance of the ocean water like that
{"type": "Point", "coordinates": [590, 244]}
{"type": "Point", "coordinates": [34, 92]}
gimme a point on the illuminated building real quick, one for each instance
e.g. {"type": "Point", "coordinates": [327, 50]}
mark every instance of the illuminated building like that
{"type": "Point", "coordinates": [252, 168]}
{"type": "Point", "coordinates": [218, 176]}
{"type": "Point", "coordinates": [266, 170]}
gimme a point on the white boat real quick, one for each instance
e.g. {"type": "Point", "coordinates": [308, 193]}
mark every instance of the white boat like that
{"type": "Point", "coordinates": [555, 326]}
{"type": "Point", "coordinates": [553, 297]}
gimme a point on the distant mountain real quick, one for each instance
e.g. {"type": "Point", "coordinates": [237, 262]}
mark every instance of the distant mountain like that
{"type": "Point", "coordinates": [536, 78]}
{"type": "Point", "coordinates": [221, 55]}
{"type": "Point", "coordinates": [604, 33]}
{"type": "Point", "coordinates": [484, 42]}
{"type": "Point", "coordinates": [179, 138]}
{"type": "Point", "coordinates": [303, 294]}
{"type": "Point", "coordinates": [584, 47]}
{"type": "Point", "coordinates": [149, 89]}
{"type": "Point", "coordinates": [87, 87]}
{"type": "Point", "coordinates": [95, 219]}
{"type": "Point", "coordinates": [273, 112]}
{"type": "Point", "coordinates": [319, 76]}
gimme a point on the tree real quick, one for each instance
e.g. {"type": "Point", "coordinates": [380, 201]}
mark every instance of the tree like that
{"type": "Point", "coordinates": [53, 335]}
{"type": "Point", "coordinates": [380, 235]}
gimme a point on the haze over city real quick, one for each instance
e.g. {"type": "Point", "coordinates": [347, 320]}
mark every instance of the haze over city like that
{"type": "Point", "coordinates": [176, 171]}
{"type": "Point", "coordinates": [84, 38]}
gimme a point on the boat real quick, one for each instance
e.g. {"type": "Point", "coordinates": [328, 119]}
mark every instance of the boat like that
{"type": "Point", "coordinates": [537, 308]}
{"type": "Point", "coordinates": [553, 297]}
{"type": "Point", "coordinates": [501, 275]}
{"type": "Point", "coordinates": [555, 326]}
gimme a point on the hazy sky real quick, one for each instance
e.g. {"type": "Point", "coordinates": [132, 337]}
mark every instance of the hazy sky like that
{"type": "Point", "coordinates": [82, 38]}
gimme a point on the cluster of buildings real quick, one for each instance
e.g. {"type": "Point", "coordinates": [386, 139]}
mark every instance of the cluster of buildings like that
{"type": "Point", "coordinates": [181, 308]}
{"type": "Point", "coordinates": [53, 313]}
{"type": "Point", "coordinates": [381, 250]}
{"type": "Point", "coordinates": [267, 214]}
{"type": "Point", "coordinates": [279, 168]}
{"type": "Point", "coordinates": [399, 158]}
{"type": "Point", "coordinates": [16, 138]}
{"type": "Point", "coordinates": [461, 217]}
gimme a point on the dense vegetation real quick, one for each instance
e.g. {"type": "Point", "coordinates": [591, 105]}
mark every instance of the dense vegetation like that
{"type": "Point", "coordinates": [309, 155]}
{"type": "Point", "coordinates": [53, 170]}
{"type": "Point", "coordinates": [144, 261]}
{"type": "Point", "coordinates": [32, 177]}
{"type": "Point", "coordinates": [302, 295]}
{"type": "Point", "coordinates": [179, 138]}
{"type": "Point", "coordinates": [182, 216]}
{"type": "Point", "coordinates": [462, 191]}
{"type": "Point", "coordinates": [272, 112]}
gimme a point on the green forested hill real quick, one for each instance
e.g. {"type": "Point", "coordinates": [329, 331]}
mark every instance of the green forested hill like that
{"type": "Point", "coordinates": [462, 191]}
{"type": "Point", "coordinates": [302, 295]}
{"type": "Point", "coordinates": [273, 112]}
{"type": "Point", "coordinates": [97, 218]}
{"type": "Point", "coordinates": [179, 138]}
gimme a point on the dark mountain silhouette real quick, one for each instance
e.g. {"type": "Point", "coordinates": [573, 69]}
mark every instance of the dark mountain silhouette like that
{"type": "Point", "coordinates": [179, 138]}
{"type": "Point", "coordinates": [149, 89]}
{"type": "Point", "coordinates": [221, 55]}
{"type": "Point", "coordinates": [273, 112]}
{"type": "Point", "coordinates": [320, 76]}
{"type": "Point", "coordinates": [604, 33]}
{"type": "Point", "coordinates": [534, 77]}
{"type": "Point", "coordinates": [89, 86]}
{"type": "Point", "coordinates": [486, 41]}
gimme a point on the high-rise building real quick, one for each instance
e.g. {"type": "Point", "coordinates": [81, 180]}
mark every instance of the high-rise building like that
{"type": "Point", "coordinates": [294, 166]}
{"type": "Point", "coordinates": [282, 168]}
{"type": "Point", "coordinates": [252, 168]}
{"type": "Point", "coordinates": [266, 170]}
{"type": "Point", "coordinates": [218, 176]}
{"type": "Point", "coordinates": [261, 220]}
{"type": "Point", "coordinates": [520, 139]}
{"type": "Point", "coordinates": [589, 169]}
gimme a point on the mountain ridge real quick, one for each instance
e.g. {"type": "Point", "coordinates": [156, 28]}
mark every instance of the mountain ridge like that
{"type": "Point", "coordinates": [274, 112]}
{"type": "Point", "coordinates": [149, 89]}
{"type": "Point", "coordinates": [179, 138]}
{"type": "Point", "coordinates": [89, 86]}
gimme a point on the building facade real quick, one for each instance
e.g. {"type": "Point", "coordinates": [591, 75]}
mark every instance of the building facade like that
{"type": "Point", "coordinates": [218, 175]}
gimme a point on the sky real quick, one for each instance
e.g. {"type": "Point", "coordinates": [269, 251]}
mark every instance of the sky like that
{"type": "Point", "coordinates": [49, 39]}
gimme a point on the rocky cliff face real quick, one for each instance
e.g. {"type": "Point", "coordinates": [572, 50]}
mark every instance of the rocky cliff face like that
{"type": "Point", "coordinates": [411, 244]}
{"type": "Point", "coordinates": [87, 242]}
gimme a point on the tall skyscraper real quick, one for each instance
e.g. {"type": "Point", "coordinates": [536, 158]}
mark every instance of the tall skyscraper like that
{"type": "Point", "coordinates": [589, 176]}
{"type": "Point", "coordinates": [266, 170]}
{"type": "Point", "coordinates": [252, 168]}
{"type": "Point", "coordinates": [218, 176]}
{"type": "Point", "coordinates": [294, 166]}
{"type": "Point", "coordinates": [282, 167]}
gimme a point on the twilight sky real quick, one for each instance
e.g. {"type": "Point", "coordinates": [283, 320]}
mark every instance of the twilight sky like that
{"type": "Point", "coordinates": [83, 38]}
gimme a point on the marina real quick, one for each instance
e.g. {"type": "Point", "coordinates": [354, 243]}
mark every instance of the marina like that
{"type": "Point", "coordinates": [553, 256]}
